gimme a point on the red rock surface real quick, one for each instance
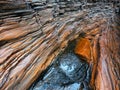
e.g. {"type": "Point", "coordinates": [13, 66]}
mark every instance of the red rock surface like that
{"type": "Point", "coordinates": [30, 42]}
{"type": "Point", "coordinates": [83, 48]}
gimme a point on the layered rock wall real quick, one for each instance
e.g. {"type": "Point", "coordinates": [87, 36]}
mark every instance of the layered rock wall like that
{"type": "Point", "coordinates": [31, 38]}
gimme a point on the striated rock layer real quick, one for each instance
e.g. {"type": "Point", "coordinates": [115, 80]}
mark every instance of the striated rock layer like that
{"type": "Point", "coordinates": [31, 39]}
{"type": "Point", "coordinates": [108, 69]}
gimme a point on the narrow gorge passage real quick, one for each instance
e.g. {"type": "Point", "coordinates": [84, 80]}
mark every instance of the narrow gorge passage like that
{"type": "Point", "coordinates": [59, 44]}
{"type": "Point", "coordinates": [67, 72]}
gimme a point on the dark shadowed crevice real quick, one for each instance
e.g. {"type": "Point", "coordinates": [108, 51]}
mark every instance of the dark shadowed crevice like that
{"type": "Point", "coordinates": [56, 77]}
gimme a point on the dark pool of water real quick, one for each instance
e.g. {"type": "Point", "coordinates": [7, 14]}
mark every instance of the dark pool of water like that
{"type": "Point", "coordinates": [67, 72]}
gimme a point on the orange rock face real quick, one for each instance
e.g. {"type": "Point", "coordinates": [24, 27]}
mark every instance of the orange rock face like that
{"type": "Point", "coordinates": [83, 48]}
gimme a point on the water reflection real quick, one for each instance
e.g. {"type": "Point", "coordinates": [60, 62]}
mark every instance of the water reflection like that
{"type": "Point", "coordinates": [67, 72]}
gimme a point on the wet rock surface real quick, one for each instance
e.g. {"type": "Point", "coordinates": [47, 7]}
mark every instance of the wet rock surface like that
{"type": "Point", "coordinates": [31, 38]}
{"type": "Point", "coordinates": [68, 72]}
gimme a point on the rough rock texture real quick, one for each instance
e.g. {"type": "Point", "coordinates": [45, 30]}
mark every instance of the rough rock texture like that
{"type": "Point", "coordinates": [108, 68]}
{"type": "Point", "coordinates": [31, 38]}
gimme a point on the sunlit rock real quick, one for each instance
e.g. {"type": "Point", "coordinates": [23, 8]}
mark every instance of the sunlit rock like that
{"type": "Point", "coordinates": [83, 48]}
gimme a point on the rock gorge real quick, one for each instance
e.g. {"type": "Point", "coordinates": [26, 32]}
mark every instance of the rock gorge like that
{"type": "Point", "coordinates": [35, 33]}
